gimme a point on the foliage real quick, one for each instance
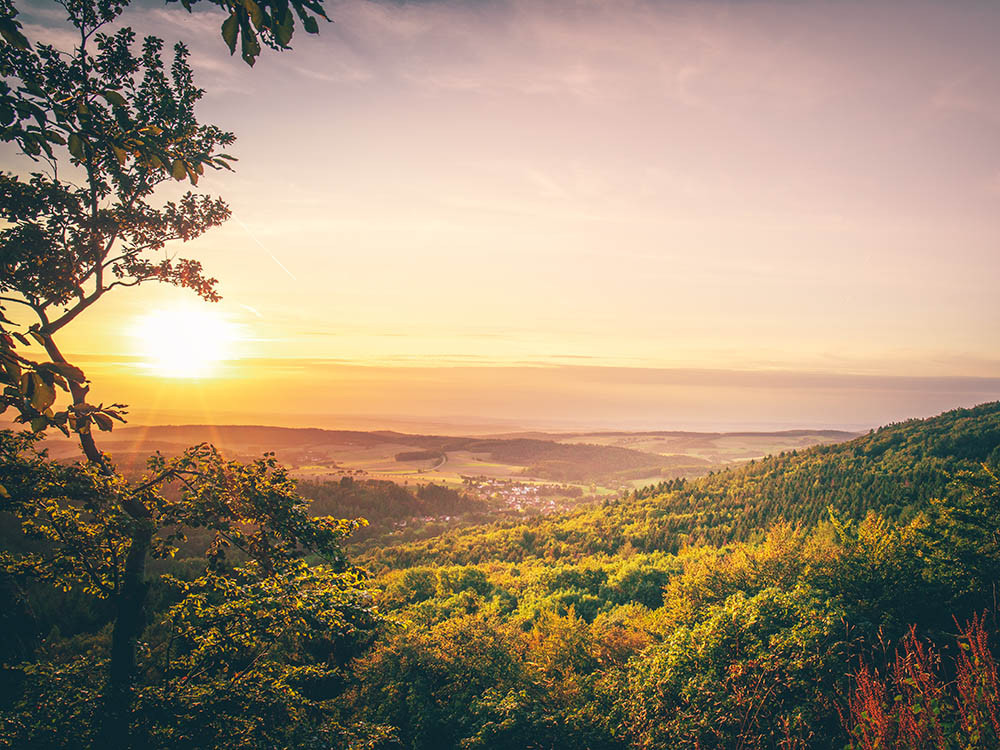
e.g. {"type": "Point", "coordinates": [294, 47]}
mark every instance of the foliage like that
{"type": "Point", "coordinates": [744, 644]}
{"type": "Point", "coordinates": [382, 503]}
{"type": "Point", "coordinates": [753, 672]}
{"type": "Point", "coordinates": [245, 653]}
{"type": "Point", "coordinates": [111, 124]}
{"type": "Point", "coordinates": [206, 604]}
{"type": "Point", "coordinates": [250, 22]}
{"type": "Point", "coordinates": [912, 703]}
{"type": "Point", "coordinates": [896, 471]}
{"type": "Point", "coordinates": [881, 576]}
{"type": "Point", "coordinates": [963, 538]}
{"type": "Point", "coordinates": [588, 638]}
{"type": "Point", "coordinates": [246, 645]}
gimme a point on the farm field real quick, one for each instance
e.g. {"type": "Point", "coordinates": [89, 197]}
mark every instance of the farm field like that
{"type": "Point", "coordinates": [598, 463]}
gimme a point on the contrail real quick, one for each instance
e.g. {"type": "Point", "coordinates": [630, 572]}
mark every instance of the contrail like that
{"type": "Point", "coordinates": [261, 244]}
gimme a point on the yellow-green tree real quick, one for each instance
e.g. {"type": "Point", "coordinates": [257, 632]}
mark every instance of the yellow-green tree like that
{"type": "Point", "coordinates": [247, 648]}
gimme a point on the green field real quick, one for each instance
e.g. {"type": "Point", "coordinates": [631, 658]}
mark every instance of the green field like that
{"type": "Point", "coordinates": [598, 463]}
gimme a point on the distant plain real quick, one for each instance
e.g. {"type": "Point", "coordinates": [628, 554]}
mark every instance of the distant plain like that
{"type": "Point", "coordinates": [599, 462]}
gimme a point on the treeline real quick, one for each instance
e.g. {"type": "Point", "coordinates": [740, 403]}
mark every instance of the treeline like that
{"type": "Point", "coordinates": [561, 462]}
{"type": "Point", "coordinates": [895, 471]}
{"type": "Point", "coordinates": [382, 503]}
{"type": "Point", "coordinates": [808, 638]}
{"type": "Point", "coordinates": [663, 620]}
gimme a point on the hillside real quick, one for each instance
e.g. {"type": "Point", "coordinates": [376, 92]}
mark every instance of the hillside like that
{"type": "Point", "coordinates": [685, 614]}
{"type": "Point", "coordinates": [689, 615]}
{"type": "Point", "coordinates": [894, 470]}
{"type": "Point", "coordinates": [611, 460]}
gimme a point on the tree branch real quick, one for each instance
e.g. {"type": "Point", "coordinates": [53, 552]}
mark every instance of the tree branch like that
{"type": "Point", "coordinates": [165, 474]}
{"type": "Point", "coordinates": [17, 301]}
{"type": "Point", "coordinates": [69, 315]}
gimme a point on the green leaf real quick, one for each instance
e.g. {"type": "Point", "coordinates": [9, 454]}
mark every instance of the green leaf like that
{"type": "Point", "coordinates": [256, 16]}
{"type": "Point", "coordinates": [179, 171]}
{"type": "Point", "coordinates": [120, 154]}
{"type": "Point", "coordinates": [229, 28]}
{"type": "Point", "coordinates": [38, 424]}
{"type": "Point", "coordinates": [283, 31]}
{"type": "Point", "coordinates": [9, 30]}
{"type": "Point", "coordinates": [251, 48]}
{"type": "Point", "coordinates": [43, 395]}
{"type": "Point", "coordinates": [115, 98]}
{"type": "Point", "coordinates": [71, 372]}
{"type": "Point", "coordinates": [103, 421]}
{"type": "Point", "coordinates": [60, 381]}
{"type": "Point", "coordinates": [310, 25]}
{"type": "Point", "coordinates": [13, 370]}
{"type": "Point", "coordinates": [76, 146]}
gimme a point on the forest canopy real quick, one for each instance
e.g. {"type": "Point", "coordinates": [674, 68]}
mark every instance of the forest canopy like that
{"type": "Point", "coordinates": [115, 641]}
{"type": "Point", "coordinates": [839, 596]}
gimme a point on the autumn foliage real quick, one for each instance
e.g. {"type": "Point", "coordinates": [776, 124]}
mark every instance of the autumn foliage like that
{"type": "Point", "coordinates": [922, 700]}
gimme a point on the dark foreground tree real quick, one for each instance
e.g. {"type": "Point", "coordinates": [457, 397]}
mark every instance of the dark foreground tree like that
{"type": "Point", "coordinates": [244, 649]}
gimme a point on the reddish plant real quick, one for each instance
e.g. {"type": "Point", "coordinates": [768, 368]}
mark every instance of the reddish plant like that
{"type": "Point", "coordinates": [977, 684]}
{"type": "Point", "coordinates": [913, 706]}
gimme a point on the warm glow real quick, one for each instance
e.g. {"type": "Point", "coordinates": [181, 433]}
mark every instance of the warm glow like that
{"type": "Point", "coordinates": [661, 214]}
{"type": "Point", "coordinates": [184, 342]}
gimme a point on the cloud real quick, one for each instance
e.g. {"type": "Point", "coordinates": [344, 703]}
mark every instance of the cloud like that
{"type": "Point", "coordinates": [755, 185]}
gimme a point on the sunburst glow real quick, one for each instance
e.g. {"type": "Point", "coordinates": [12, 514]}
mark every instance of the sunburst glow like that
{"type": "Point", "coordinates": [184, 342]}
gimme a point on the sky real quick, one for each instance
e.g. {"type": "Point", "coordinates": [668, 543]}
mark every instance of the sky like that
{"type": "Point", "coordinates": [630, 214]}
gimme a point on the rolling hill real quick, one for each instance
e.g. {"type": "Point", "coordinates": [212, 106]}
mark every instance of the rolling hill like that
{"type": "Point", "coordinates": [614, 460]}
{"type": "Point", "coordinates": [894, 470]}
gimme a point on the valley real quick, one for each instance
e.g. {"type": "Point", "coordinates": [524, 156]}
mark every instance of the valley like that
{"type": "Point", "coordinates": [597, 463]}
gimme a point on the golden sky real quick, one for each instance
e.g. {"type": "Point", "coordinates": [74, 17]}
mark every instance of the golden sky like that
{"type": "Point", "coordinates": [438, 201]}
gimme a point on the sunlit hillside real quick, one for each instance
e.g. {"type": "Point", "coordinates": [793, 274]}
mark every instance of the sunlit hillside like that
{"type": "Point", "coordinates": [499, 375]}
{"type": "Point", "coordinates": [894, 471]}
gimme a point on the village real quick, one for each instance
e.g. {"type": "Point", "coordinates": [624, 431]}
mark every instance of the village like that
{"type": "Point", "coordinates": [523, 497]}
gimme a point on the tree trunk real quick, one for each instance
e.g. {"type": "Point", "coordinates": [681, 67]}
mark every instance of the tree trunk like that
{"type": "Point", "coordinates": [115, 732]}
{"type": "Point", "coordinates": [130, 620]}
{"type": "Point", "coordinates": [79, 393]}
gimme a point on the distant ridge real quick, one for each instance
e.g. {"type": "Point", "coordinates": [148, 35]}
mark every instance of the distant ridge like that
{"type": "Point", "coordinates": [612, 457]}
{"type": "Point", "coordinates": [894, 470]}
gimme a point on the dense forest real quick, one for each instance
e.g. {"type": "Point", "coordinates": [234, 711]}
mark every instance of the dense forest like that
{"type": "Point", "coordinates": [838, 596]}
{"type": "Point", "coordinates": [385, 505]}
{"type": "Point", "coordinates": [835, 597]}
{"type": "Point", "coordinates": [894, 471]}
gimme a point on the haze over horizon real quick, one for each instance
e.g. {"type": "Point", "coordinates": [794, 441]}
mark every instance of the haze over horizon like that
{"type": "Point", "coordinates": [637, 215]}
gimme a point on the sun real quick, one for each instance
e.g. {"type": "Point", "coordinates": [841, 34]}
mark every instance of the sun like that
{"type": "Point", "coordinates": [184, 342]}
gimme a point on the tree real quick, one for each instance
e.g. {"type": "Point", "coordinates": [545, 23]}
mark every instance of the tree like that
{"type": "Point", "coordinates": [247, 649]}
{"type": "Point", "coordinates": [963, 536]}
{"type": "Point", "coordinates": [109, 122]}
